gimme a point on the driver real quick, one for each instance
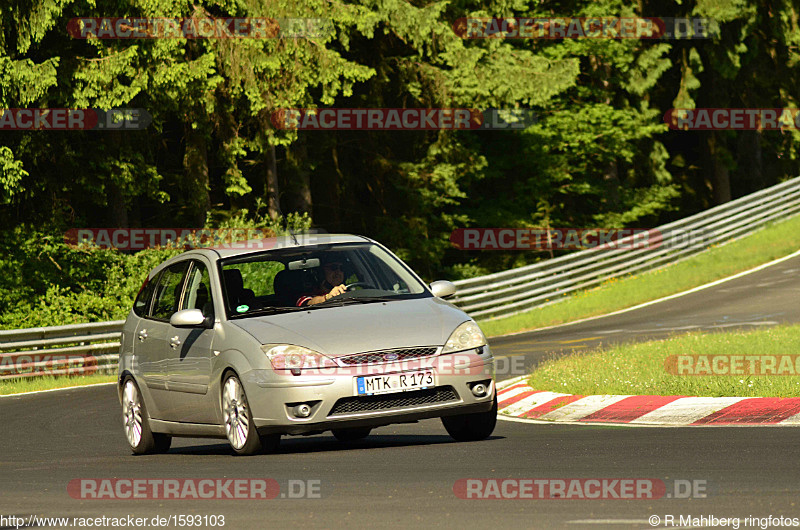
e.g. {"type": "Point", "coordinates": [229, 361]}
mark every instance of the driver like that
{"type": "Point", "coordinates": [331, 286]}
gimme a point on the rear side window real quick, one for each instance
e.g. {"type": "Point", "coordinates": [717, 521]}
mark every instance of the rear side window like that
{"type": "Point", "coordinates": [259, 276]}
{"type": "Point", "coordinates": [142, 303]}
{"type": "Point", "coordinates": [168, 291]}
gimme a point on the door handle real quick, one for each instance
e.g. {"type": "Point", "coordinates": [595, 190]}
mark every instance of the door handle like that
{"type": "Point", "coordinates": [174, 342]}
{"type": "Point", "coordinates": [142, 335]}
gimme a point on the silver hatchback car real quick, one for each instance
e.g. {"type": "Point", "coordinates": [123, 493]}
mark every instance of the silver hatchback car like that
{"type": "Point", "coordinates": [283, 338]}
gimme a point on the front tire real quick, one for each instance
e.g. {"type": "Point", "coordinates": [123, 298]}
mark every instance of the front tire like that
{"type": "Point", "coordinates": [471, 427]}
{"type": "Point", "coordinates": [136, 422]}
{"type": "Point", "coordinates": [238, 420]}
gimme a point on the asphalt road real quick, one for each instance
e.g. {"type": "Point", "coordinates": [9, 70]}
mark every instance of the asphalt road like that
{"type": "Point", "coordinates": [403, 476]}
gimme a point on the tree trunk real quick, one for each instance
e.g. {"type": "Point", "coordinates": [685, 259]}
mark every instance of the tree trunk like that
{"type": "Point", "coordinates": [195, 165]}
{"type": "Point", "coordinates": [117, 209]}
{"type": "Point", "coordinates": [336, 180]}
{"type": "Point", "coordinates": [611, 179]}
{"type": "Point", "coordinates": [749, 162]}
{"type": "Point", "coordinates": [271, 177]}
{"type": "Point", "coordinates": [721, 182]}
{"type": "Point", "coordinates": [135, 213]}
{"type": "Point", "coordinates": [298, 158]}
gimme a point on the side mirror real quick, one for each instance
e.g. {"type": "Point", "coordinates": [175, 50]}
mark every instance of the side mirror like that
{"type": "Point", "coordinates": [188, 318]}
{"type": "Point", "coordinates": [443, 288]}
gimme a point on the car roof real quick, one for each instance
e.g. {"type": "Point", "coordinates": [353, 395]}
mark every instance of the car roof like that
{"type": "Point", "coordinates": [253, 246]}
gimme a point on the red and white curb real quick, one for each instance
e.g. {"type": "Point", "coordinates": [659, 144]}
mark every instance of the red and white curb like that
{"type": "Point", "coordinates": [517, 399]}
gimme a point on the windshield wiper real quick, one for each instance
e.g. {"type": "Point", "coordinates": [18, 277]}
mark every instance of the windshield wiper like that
{"type": "Point", "coordinates": [360, 299]}
{"type": "Point", "coordinates": [271, 311]}
{"type": "Point", "coordinates": [377, 298]}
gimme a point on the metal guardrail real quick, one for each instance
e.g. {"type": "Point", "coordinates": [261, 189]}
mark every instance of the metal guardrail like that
{"type": "Point", "coordinates": [94, 347]}
{"type": "Point", "coordinates": [60, 350]}
{"type": "Point", "coordinates": [521, 289]}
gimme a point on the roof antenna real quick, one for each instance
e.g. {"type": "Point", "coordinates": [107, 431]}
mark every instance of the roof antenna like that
{"type": "Point", "coordinates": [289, 228]}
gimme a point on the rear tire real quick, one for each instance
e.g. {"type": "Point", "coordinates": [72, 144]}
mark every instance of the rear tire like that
{"type": "Point", "coordinates": [238, 421]}
{"type": "Point", "coordinates": [471, 427]}
{"type": "Point", "coordinates": [352, 434]}
{"type": "Point", "coordinates": [136, 422]}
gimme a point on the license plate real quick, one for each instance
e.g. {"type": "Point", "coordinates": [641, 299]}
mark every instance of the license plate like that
{"type": "Point", "coordinates": [383, 384]}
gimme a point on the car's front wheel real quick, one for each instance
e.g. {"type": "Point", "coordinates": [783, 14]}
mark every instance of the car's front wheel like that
{"type": "Point", "coordinates": [136, 421]}
{"type": "Point", "coordinates": [239, 427]}
{"type": "Point", "coordinates": [471, 427]}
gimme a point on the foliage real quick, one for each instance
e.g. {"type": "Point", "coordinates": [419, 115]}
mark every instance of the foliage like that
{"type": "Point", "coordinates": [599, 153]}
{"type": "Point", "coordinates": [48, 282]}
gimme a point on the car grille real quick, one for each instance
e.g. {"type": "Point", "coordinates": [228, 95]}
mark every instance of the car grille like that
{"type": "Point", "coordinates": [413, 398]}
{"type": "Point", "coordinates": [375, 357]}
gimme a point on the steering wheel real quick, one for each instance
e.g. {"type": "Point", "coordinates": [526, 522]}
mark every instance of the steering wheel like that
{"type": "Point", "coordinates": [358, 284]}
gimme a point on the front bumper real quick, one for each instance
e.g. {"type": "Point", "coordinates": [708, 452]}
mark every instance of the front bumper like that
{"type": "Point", "coordinates": [335, 404]}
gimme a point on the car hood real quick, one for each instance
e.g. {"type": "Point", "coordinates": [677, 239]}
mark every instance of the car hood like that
{"type": "Point", "coordinates": [359, 328]}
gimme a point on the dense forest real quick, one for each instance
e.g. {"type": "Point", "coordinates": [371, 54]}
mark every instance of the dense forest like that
{"type": "Point", "coordinates": [599, 152]}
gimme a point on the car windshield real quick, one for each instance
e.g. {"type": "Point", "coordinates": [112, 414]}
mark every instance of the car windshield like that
{"type": "Point", "coordinates": [293, 279]}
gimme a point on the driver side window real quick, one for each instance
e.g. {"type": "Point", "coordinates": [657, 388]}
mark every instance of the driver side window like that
{"type": "Point", "coordinates": [198, 291]}
{"type": "Point", "coordinates": [168, 292]}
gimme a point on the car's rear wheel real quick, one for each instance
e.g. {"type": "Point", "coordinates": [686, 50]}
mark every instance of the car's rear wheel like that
{"type": "Point", "coordinates": [471, 427]}
{"type": "Point", "coordinates": [141, 438]}
{"type": "Point", "coordinates": [352, 434]}
{"type": "Point", "coordinates": [239, 427]}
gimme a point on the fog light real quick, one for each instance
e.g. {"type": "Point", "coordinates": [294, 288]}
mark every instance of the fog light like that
{"type": "Point", "coordinates": [479, 390]}
{"type": "Point", "coordinates": [301, 411]}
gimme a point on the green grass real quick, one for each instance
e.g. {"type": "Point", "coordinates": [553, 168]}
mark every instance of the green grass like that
{"type": "Point", "coordinates": [31, 384]}
{"type": "Point", "coordinates": [640, 368]}
{"type": "Point", "coordinates": [775, 241]}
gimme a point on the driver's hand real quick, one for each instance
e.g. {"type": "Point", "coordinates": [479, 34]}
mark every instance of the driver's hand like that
{"type": "Point", "coordinates": [336, 291]}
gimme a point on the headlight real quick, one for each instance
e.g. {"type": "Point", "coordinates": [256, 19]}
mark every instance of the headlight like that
{"type": "Point", "coordinates": [466, 337]}
{"type": "Point", "coordinates": [295, 358]}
